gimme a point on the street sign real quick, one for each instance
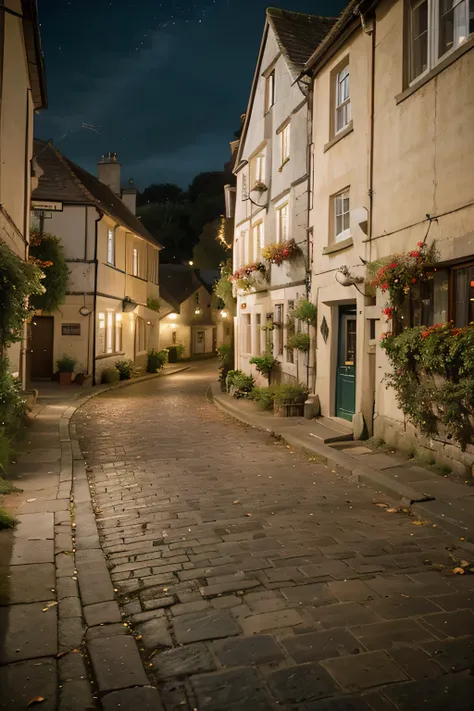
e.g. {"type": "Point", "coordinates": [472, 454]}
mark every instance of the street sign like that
{"type": "Point", "coordinates": [49, 206]}
{"type": "Point", "coordinates": [71, 329]}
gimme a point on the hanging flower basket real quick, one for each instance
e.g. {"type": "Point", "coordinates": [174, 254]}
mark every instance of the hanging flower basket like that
{"type": "Point", "coordinates": [247, 277]}
{"type": "Point", "coordinates": [279, 253]}
{"type": "Point", "coordinates": [260, 187]}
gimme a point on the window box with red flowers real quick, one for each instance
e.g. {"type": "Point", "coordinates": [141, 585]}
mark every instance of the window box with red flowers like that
{"type": "Point", "coordinates": [248, 277]}
{"type": "Point", "coordinates": [279, 253]}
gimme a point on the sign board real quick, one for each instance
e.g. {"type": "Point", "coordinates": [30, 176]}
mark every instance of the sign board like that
{"type": "Point", "coordinates": [71, 329]}
{"type": "Point", "coordinates": [50, 206]}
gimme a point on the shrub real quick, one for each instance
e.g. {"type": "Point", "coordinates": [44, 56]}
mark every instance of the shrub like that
{"type": "Point", "coordinates": [156, 360]}
{"type": "Point", "coordinates": [264, 364]}
{"type": "Point", "coordinates": [66, 364]}
{"type": "Point", "coordinates": [290, 394]}
{"type": "Point", "coordinates": [13, 407]}
{"type": "Point", "coordinates": [125, 369]}
{"type": "Point", "coordinates": [18, 281]}
{"type": "Point", "coordinates": [264, 397]}
{"type": "Point", "coordinates": [47, 252]}
{"type": "Point", "coordinates": [225, 353]}
{"type": "Point", "coordinates": [279, 253]}
{"type": "Point", "coordinates": [110, 376]}
{"type": "Point", "coordinates": [242, 385]}
{"type": "Point", "coordinates": [305, 311]}
{"type": "Point", "coordinates": [153, 304]}
{"type": "Point", "coordinates": [299, 342]}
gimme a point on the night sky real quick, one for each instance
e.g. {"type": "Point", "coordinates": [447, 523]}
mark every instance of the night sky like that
{"type": "Point", "coordinates": [163, 84]}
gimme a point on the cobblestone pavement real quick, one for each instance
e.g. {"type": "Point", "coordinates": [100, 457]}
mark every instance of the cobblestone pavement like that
{"type": "Point", "coordinates": [255, 579]}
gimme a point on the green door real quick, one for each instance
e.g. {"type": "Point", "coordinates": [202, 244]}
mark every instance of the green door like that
{"type": "Point", "coordinates": [346, 363]}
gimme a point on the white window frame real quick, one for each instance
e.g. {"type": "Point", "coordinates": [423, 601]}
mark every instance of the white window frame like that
{"type": "Point", "coordinates": [337, 199]}
{"type": "Point", "coordinates": [244, 246]}
{"type": "Point", "coordinates": [118, 332]}
{"type": "Point", "coordinates": [282, 215]}
{"type": "Point", "coordinates": [258, 239]}
{"type": "Point", "coordinates": [110, 333]}
{"type": "Point", "coordinates": [269, 91]}
{"type": "Point", "coordinates": [111, 247]}
{"type": "Point", "coordinates": [285, 144]}
{"type": "Point", "coordinates": [135, 262]}
{"type": "Point", "coordinates": [257, 346]}
{"type": "Point", "coordinates": [343, 105]}
{"type": "Point", "coordinates": [259, 168]}
{"type": "Point", "coordinates": [433, 34]}
{"type": "Point", "coordinates": [246, 334]}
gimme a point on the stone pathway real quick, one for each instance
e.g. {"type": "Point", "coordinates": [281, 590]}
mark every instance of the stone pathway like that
{"type": "Point", "coordinates": [254, 579]}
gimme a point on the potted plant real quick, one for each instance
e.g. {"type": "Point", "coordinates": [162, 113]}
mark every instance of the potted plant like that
{"type": "Point", "coordinates": [66, 366]}
{"type": "Point", "coordinates": [288, 400]}
{"type": "Point", "coordinates": [264, 364]}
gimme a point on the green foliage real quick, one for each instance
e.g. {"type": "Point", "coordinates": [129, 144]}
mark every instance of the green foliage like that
{"type": "Point", "coordinates": [6, 521]}
{"type": "Point", "coordinates": [110, 376]}
{"type": "Point", "coordinates": [299, 342]}
{"type": "Point", "coordinates": [125, 368]}
{"type": "Point", "coordinates": [264, 397]}
{"type": "Point", "coordinates": [66, 364]}
{"type": "Point", "coordinates": [46, 251]}
{"type": "Point", "coordinates": [19, 280]}
{"type": "Point", "coordinates": [433, 378]}
{"type": "Point", "coordinates": [238, 384]}
{"type": "Point", "coordinates": [264, 364]}
{"type": "Point", "coordinates": [290, 394]}
{"type": "Point", "coordinates": [13, 407]}
{"type": "Point", "coordinates": [223, 288]}
{"type": "Point", "coordinates": [225, 353]}
{"type": "Point", "coordinates": [153, 304]}
{"type": "Point", "coordinates": [175, 353]}
{"type": "Point", "coordinates": [305, 311]}
{"type": "Point", "coordinates": [156, 360]}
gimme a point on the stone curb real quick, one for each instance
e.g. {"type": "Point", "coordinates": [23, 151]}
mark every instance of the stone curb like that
{"type": "Point", "coordinates": [421, 504]}
{"type": "Point", "coordinates": [97, 596]}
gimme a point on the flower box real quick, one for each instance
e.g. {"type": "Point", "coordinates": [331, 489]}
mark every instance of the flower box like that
{"type": "Point", "coordinates": [289, 410]}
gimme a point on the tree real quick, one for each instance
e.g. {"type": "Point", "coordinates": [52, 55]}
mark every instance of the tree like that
{"type": "Point", "coordinates": [160, 192]}
{"type": "Point", "coordinates": [47, 252]}
{"type": "Point", "coordinates": [169, 224]}
{"type": "Point", "coordinates": [211, 250]}
{"type": "Point", "coordinates": [210, 184]}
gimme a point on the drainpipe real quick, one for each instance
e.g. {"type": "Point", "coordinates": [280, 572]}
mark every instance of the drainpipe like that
{"type": "Point", "coordinates": [311, 357]}
{"type": "Point", "coordinates": [96, 275]}
{"type": "Point", "coordinates": [26, 229]}
{"type": "Point", "coordinates": [369, 27]}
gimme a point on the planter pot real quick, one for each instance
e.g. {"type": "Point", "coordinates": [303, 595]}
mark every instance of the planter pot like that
{"type": "Point", "coordinates": [65, 378]}
{"type": "Point", "coordinates": [223, 386]}
{"type": "Point", "coordinates": [293, 410]}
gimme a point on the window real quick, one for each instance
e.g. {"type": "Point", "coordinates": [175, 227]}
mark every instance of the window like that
{"type": "Point", "coordinates": [429, 301]}
{"type": "Point", "coordinates": [101, 334]}
{"type": "Point", "coordinates": [111, 247]}
{"type": "Point", "coordinates": [285, 144]}
{"type": "Point", "coordinates": [245, 192]}
{"type": "Point", "coordinates": [118, 332]}
{"type": "Point", "coordinates": [463, 295]}
{"type": "Point", "coordinates": [341, 206]}
{"type": "Point", "coordinates": [258, 169]}
{"type": "Point", "coordinates": [290, 330]}
{"type": "Point", "coordinates": [278, 330]}
{"type": "Point", "coordinates": [242, 254]}
{"type": "Point", "coordinates": [135, 262]}
{"type": "Point", "coordinates": [282, 220]}
{"type": "Point", "coordinates": [270, 91]}
{"type": "Point", "coordinates": [258, 239]}
{"type": "Point", "coordinates": [152, 264]}
{"type": "Point", "coordinates": [343, 101]}
{"type": "Point", "coordinates": [436, 28]}
{"type": "Point", "coordinates": [110, 332]}
{"type": "Point", "coordinates": [258, 335]}
{"type": "Point", "coordinates": [140, 336]}
{"type": "Point", "coordinates": [246, 334]}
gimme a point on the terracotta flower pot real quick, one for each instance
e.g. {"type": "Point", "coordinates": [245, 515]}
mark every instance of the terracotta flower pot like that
{"type": "Point", "coordinates": [65, 378]}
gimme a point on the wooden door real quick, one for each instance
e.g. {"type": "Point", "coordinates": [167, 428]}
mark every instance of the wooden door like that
{"type": "Point", "coordinates": [41, 348]}
{"type": "Point", "coordinates": [346, 363]}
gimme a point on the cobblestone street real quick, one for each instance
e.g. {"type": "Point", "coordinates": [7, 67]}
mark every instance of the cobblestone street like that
{"type": "Point", "coordinates": [257, 579]}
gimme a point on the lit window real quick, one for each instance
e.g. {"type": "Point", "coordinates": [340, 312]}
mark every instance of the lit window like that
{"type": "Point", "coordinates": [246, 334]}
{"type": "Point", "coordinates": [135, 262]}
{"type": "Point", "coordinates": [111, 247]}
{"type": "Point", "coordinates": [343, 100]}
{"type": "Point", "coordinates": [258, 334]}
{"type": "Point", "coordinates": [341, 216]}
{"type": "Point", "coordinates": [258, 239]}
{"type": "Point", "coordinates": [118, 332]}
{"type": "Point", "coordinates": [282, 220]}
{"type": "Point", "coordinates": [285, 144]}
{"type": "Point", "coordinates": [270, 91]}
{"type": "Point", "coordinates": [110, 332]}
{"type": "Point", "coordinates": [259, 169]}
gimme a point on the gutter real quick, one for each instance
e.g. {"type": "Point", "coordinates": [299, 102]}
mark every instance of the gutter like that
{"type": "Point", "coordinates": [96, 276]}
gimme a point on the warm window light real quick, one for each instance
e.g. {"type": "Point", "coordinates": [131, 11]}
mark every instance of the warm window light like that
{"type": "Point", "coordinates": [173, 317]}
{"type": "Point", "coordinates": [224, 314]}
{"type": "Point", "coordinates": [118, 317]}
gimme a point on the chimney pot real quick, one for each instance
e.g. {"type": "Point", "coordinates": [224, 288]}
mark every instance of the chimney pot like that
{"type": "Point", "coordinates": [108, 172]}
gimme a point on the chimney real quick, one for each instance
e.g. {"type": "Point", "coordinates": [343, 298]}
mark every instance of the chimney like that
{"type": "Point", "coordinates": [108, 172]}
{"type": "Point", "coordinates": [129, 198]}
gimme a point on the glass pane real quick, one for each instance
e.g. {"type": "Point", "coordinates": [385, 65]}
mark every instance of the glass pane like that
{"type": "Point", "coordinates": [462, 290]}
{"type": "Point", "coordinates": [440, 297]}
{"type": "Point", "coordinates": [339, 224]}
{"type": "Point", "coordinates": [419, 39]}
{"type": "Point", "coordinates": [345, 202]}
{"type": "Point", "coordinates": [460, 23]}
{"type": "Point", "coordinates": [346, 223]}
{"type": "Point", "coordinates": [446, 26]}
{"type": "Point", "coordinates": [351, 338]}
{"type": "Point", "coordinates": [338, 205]}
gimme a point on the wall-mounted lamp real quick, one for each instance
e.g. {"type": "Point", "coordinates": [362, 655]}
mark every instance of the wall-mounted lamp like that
{"type": "Point", "coordinates": [224, 314]}
{"type": "Point", "coordinates": [197, 311]}
{"type": "Point", "coordinates": [129, 305]}
{"type": "Point", "coordinates": [85, 311]}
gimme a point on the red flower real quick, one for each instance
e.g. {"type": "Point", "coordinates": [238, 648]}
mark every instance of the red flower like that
{"type": "Point", "coordinates": [286, 252]}
{"type": "Point", "coordinates": [384, 286]}
{"type": "Point", "coordinates": [413, 281]}
{"type": "Point", "coordinates": [394, 265]}
{"type": "Point", "coordinates": [420, 244]}
{"type": "Point", "coordinates": [415, 254]}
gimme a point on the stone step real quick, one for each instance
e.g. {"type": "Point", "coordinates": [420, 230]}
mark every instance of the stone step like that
{"type": "Point", "coordinates": [328, 430]}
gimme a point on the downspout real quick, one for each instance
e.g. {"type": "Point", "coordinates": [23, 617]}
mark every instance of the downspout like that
{"type": "Point", "coordinates": [311, 362]}
{"type": "Point", "coordinates": [96, 275]}
{"type": "Point", "coordinates": [369, 27]}
{"type": "Point", "coordinates": [26, 229]}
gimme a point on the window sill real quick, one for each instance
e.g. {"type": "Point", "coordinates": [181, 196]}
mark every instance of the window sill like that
{"type": "Point", "coordinates": [102, 356]}
{"type": "Point", "coordinates": [339, 136]}
{"type": "Point", "coordinates": [135, 276]}
{"type": "Point", "coordinates": [287, 160]}
{"type": "Point", "coordinates": [338, 246]}
{"type": "Point", "coordinates": [444, 64]}
{"type": "Point", "coordinates": [112, 266]}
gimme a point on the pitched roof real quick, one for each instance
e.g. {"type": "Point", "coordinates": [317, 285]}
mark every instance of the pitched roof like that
{"type": "Point", "coordinates": [298, 35]}
{"type": "Point", "coordinates": [178, 282]}
{"type": "Point", "coordinates": [64, 181]}
{"type": "Point", "coordinates": [34, 53]}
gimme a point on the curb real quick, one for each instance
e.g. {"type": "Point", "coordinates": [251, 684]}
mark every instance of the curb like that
{"type": "Point", "coordinates": [421, 504]}
{"type": "Point", "coordinates": [99, 608]}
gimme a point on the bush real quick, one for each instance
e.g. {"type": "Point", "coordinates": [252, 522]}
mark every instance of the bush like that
{"type": "Point", "coordinates": [110, 376]}
{"type": "Point", "coordinates": [125, 369]}
{"type": "Point", "coordinates": [153, 304]}
{"type": "Point", "coordinates": [299, 342]}
{"type": "Point", "coordinates": [66, 364]}
{"type": "Point", "coordinates": [47, 252]}
{"type": "Point", "coordinates": [305, 311]}
{"type": "Point", "coordinates": [13, 407]}
{"type": "Point", "coordinates": [225, 353]}
{"type": "Point", "coordinates": [18, 281]}
{"type": "Point", "coordinates": [156, 360]}
{"type": "Point", "coordinates": [238, 384]}
{"type": "Point", "coordinates": [264, 364]}
{"type": "Point", "coordinates": [290, 394]}
{"type": "Point", "coordinates": [264, 397]}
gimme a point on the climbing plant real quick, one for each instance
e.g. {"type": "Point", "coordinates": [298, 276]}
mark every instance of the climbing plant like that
{"type": "Point", "coordinates": [47, 253]}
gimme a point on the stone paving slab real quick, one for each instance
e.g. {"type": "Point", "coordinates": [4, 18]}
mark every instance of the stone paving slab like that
{"type": "Point", "coordinates": [27, 632]}
{"type": "Point", "coordinates": [21, 683]}
{"type": "Point", "coordinates": [116, 663]}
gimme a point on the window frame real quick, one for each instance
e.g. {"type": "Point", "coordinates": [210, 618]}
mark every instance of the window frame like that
{"type": "Point", "coordinates": [285, 144]}
{"type": "Point", "coordinates": [246, 331]}
{"type": "Point", "coordinates": [269, 91]}
{"type": "Point", "coordinates": [111, 246]}
{"type": "Point", "coordinates": [135, 262]}
{"type": "Point", "coordinates": [337, 237]}
{"type": "Point", "coordinates": [345, 104]}
{"type": "Point", "coordinates": [278, 330]}
{"type": "Point", "coordinates": [258, 237]}
{"type": "Point", "coordinates": [279, 212]}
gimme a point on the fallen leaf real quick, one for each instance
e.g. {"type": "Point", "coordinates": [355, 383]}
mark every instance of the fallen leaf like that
{"type": "Point", "coordinates": [49, 605]}
{"type": "Point", "coordinates": [392, 510]}
{"type": "Point", "coordinates": [248, 514]}
{"type": "Point", "coordinates": [458, 571]}
{"type": "Point", "coordinates": [381, 505]}
{"type": "Point", "coordinates": [464, 563]}
{"type": "Point", "coordinates": [36, 700]}
{"type": "Point", "coordinates": [236, 502]}
{"type": "Point", "coordinates": [416, 523]}
{"type": "Point", "coordinates": [60, 655]}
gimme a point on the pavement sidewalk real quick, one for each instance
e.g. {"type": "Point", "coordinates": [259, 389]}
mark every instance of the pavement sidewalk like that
{"type": "Point", "coordinates": [430, 495]}
{"type": "Point", "coordinates": [55, 589]}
